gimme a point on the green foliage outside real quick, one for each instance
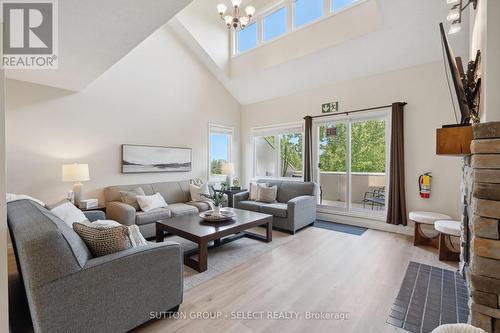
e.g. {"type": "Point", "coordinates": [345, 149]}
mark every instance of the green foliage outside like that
{"type": "Point", "coordinates": [216, 167]}
{"type": "Point", "coordinates": [367, 148]}
{"type": "Point", "coordinates": [291, 153]}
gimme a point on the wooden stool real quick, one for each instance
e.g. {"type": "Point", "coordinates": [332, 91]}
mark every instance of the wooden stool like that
{"type": "Point", "coordinates": [447, 229]}
{"type": "Point", "coordinates": [425, 218]}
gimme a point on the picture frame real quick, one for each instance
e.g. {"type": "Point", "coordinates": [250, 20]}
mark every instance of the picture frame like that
{"type": "Point", "coordinates": [155, 159]}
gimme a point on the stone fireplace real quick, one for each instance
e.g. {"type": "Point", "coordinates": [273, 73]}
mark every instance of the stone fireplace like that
{"type": "Point", "coordinates": [480, 240]}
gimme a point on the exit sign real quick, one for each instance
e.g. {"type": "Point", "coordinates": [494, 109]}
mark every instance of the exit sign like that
{"type": "Point", "coordinates": [330, 107]}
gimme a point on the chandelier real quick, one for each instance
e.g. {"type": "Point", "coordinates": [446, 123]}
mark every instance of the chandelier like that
{"type": "Point", "coordinates": [455, 15]}
{"type": "Point", "coordinates": [236, 20]}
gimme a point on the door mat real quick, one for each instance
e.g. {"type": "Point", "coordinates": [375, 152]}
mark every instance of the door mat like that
{"type": "Point", "coordinates": [429, 296]}
{"type": "Point", "coordinates": [348, 229]}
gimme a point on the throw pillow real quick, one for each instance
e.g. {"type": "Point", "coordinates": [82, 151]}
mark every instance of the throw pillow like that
{"type": "Point", "coordinates": [103, 237]}
{"type": "Point", "coordinates": [254, 188]}
{"type": "Point", "coordinates": [136, 238]}
{"type": "Point", "coordinates": [67, 212]}
{"type": "Point", "coordinates": [130, 197]}
{"type": "Point", "coordinates": [197, 191]}
{"type": "Point", "coordinates": [267, 194]}
{"type": "Point", "coordinates": [150, 202]}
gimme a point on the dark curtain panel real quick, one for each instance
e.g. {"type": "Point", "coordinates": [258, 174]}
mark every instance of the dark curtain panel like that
{"type": "Point", "coordinates": [396, 210]}
{"type": "Point", "coordinates": [308, 149]}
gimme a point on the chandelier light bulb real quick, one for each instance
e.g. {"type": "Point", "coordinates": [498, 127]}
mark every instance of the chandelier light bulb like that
{"type": "Point", "coordinates": [453, 16]}
{"type": "Point", "coordinates": [236, 3]}
{"type": "Point", "coordinates": [221, 8]}
{"type": "Point", "coordinates": [244, 21]}
{"type": "Point", "coordinates": [250, 10]}
{"type": "Point", "coordinates": [455, 27]}
{"type": "Point", "coordinates": [228, 19]}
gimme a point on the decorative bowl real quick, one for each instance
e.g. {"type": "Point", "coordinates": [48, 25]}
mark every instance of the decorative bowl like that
{"type": "Point", "coordinates": [211, 216]}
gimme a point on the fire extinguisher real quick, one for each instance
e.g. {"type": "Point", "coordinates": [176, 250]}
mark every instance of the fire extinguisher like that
{"type": "Point", "coordinates": [424, 185]}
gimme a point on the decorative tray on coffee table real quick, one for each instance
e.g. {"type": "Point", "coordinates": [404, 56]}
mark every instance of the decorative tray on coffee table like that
{"type": "Point", "coordinates": [210, 216]}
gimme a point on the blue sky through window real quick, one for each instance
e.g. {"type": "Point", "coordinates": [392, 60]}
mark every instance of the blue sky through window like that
{"type": "Point", "coordinates": [305, 11]}
{"type": "Point", "coordinates": [247, 38]}
{"type": "Point", "coordinates": [275, 24]}
{"type": "Point", "coordinates": [219, 144]}
{"type": "Point", "coordinates": [339, 4]}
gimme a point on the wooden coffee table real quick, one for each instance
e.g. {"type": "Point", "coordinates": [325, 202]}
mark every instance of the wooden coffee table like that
{"type": "Point", "coordinates": [193, 228]}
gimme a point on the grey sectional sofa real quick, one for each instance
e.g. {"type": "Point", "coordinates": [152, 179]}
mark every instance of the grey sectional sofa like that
{"type": "Point", "coordinates": [176, 194]}
{"type": "Point", "coordinates": [295, 207]}
{"type": "Point", "coordinates": [70, 291]}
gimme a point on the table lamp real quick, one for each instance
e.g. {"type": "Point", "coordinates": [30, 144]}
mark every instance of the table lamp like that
{"type": "Point", "coordinates": [76, 173]}
{"type": "Point", "coordinates": [228, 170]}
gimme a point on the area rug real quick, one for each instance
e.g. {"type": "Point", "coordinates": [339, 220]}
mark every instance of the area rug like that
{"type": "Point", "coordinates": [347, 229]}
{"type": "Point", "coordinates": [429, 296]}
{"type": "Point", "coordinates": [228, 256]}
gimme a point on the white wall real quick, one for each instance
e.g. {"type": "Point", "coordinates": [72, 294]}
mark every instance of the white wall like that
{"type": "Point", "coordinates": [201, 20]}
{"type": "Point", "coordinates": [4, 314]}
{"type": "Point", "coordinates": [485, 36]}
{"type": "Point", "coordinates": [429, 106]}
{"type": "Point", "coordinates": [362, 19]}
{"type": "Point", "coordinates": [158, 94]}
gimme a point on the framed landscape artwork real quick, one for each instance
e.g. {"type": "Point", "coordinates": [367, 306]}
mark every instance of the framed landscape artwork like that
{"type": "Point", "coordinates": [140, 159]}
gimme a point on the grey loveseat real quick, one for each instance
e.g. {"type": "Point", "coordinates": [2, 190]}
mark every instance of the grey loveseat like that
{"type": "Point", "coordinates": [176, 194]}
{"type": "Point", "coordinates": [295, 207]}
{"type": "Point", "coordinates": [70, 291]}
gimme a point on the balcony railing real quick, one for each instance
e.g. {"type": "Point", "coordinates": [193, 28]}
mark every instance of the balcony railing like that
{"type": "Point", "coordinates": [363, 185]}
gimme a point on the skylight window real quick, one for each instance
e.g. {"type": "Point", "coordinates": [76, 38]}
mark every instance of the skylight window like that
{"type": "Point", "coordinates": [283, 17]}
{"type": "Point", "coordinates": [305, 11]}
{"type": "Point", "coordinates": [275, 24]}
{"type": "Point", "coordinates": [337, 5]}
{"type": "Point", "coordinates": [247, 38]}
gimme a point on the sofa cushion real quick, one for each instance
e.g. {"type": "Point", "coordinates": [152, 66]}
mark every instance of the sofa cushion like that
{"type": "Point", "coordinates": [202, 206]}
{"type": "Point", "coordinates": [152, 216]}
{"type": "Point", "coordinates": [179, 209]}
{"type": "Point", "coordinates": [172, 192]}
{"type": "Point", "coordinates": [289, 190]}
{"type": "Point", "coordinates": [275, 209]}
{"type": "Point", "coordinates": [250, 205]}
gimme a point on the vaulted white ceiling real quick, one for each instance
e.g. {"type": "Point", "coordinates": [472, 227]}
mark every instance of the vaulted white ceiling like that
{"type": "Point", "coordinates": [95, 34]}
{"type": "Point", "coordinates": [406, 35]}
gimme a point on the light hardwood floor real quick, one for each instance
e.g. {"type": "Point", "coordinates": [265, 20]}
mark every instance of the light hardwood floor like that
{"type": "Point", "coordinates": [318, 271]}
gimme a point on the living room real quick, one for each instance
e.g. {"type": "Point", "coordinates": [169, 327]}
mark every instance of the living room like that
{"type": "Point", "coordinates": [208, 157]}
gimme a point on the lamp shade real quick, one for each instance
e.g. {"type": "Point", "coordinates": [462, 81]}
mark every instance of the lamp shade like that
{"type": "Point", "coordinates": [75, 172]}
{"type": "Point", "coordinates": [228, 169]}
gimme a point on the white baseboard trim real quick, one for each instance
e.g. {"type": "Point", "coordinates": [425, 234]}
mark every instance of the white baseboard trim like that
{"type": "Point", "coordinates": [365, 223]}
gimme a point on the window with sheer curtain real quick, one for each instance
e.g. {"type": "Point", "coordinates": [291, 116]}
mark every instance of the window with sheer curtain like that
{"type": "Point", "coordinates": [278, 152]}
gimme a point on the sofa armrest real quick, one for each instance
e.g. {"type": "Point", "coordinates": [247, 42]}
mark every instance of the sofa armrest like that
{"type": "Point", "coordinates": [115, 293]}
{"type": "Point", "coordinates": [121, 212]}
{"type": "Point", "coordinates": [238, 197]}
{"type": "Point", "coordinates": [302, 210]}
{"type": "Point", "coordinates": [94, 215]}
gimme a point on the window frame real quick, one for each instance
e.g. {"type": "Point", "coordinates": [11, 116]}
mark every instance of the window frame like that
{"type": "Point", "coordinates": [259, 19]}
{"type": "Point", "coordinates": [277, 131]}
{"type": "Point", "coordinates": [349, 120]}
{"type": "Point", "coordinates": [219, 129]}
{"type": "Point", "coordinates": [282, 5]}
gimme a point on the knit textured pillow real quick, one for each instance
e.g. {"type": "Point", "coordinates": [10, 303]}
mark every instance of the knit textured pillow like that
{"type": "Point", "coordinates": [103, 238]}
{"type": "Point", "coordinates": [130, 197]}
{"type": "Point", "coordinates": [267, 194]}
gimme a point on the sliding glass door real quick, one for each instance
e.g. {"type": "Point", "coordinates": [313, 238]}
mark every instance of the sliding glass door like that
{"type": "Point", "coordinates": [352, 155]}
